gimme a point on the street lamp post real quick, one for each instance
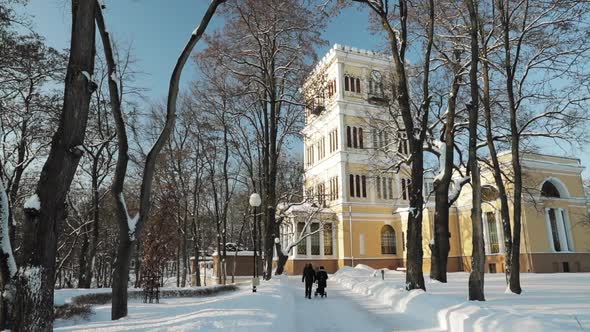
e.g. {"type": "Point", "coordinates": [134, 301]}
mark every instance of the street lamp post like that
{"type": "Point", "coordinates": [255, 202]}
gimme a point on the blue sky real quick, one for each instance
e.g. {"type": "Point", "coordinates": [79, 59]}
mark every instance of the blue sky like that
{"type": "Point", "coordinates": [158, 29]}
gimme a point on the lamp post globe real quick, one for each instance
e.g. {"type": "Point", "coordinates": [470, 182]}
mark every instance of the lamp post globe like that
{"type": "Point", "coordinates": [255, 200]}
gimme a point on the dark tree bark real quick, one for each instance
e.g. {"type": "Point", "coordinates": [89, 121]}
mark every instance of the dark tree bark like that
{"type": "Point", "coordinates": [415, 124]}
{"type": "Point", "coordinates": [514, 145]}
{"type": "Point", "coordinates": [476, 277]}
{"type": "Point", "coordinates": [33, 306]}
{"type": "Point", "coordinates": [441, 247]}
{"type": "Point", "coordinates": [496, 170]}
{"type": "Point", "coordinates": [127, 236]}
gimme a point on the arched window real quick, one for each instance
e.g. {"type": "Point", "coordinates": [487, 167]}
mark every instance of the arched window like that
{"type": "Point", "coordinates": [557, 219]}
{"type": "Point", "coordinates": [388, 243]}
{"type": "Point", "coordinates": [549, 190]}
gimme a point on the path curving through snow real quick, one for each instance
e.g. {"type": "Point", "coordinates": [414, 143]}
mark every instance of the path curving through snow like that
{"type": "Point", "coordinates": [279, 305]}
{"type": "Point", "coordinates": [343, 310]}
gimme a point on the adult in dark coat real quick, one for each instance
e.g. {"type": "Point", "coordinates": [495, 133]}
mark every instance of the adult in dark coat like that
{"type": "Point", "coordinates": [322, 277]}
{"type": "Point", "coordinates": [308, 278]}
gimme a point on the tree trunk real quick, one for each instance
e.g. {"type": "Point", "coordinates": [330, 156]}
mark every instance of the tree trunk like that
{"type": "Point", "coordinates": [496, 171]}
{"type": "Point", "coordinates": [184, 260]}
{"type": "Point", "coordinates": [82, 266]}
{"type": "Point", "coordinates": [137, 283]}
{"type": "Point", "coordinates": [89, 242]}
{"type": "Point", "coordinates": [514, 147]}
{"type": "Point", "coordinates": [414, 273]}
{"type": "Point", "coordinates": [178, 265]}
{"type": "Point", "coordinates": [18, 173]}
{"type": "Point", "coordinates": [197, 268]}
{"type": "Point", "coordinates": [127, 235]}
{"type": "Point", "coordinates": [441, 247]}
{"type": "Point", "coordinates": [121, 278]}
{"type": "Point", "coordinates": [476, 277]}
{"type": "Point", "coordinates": [33, 307]}
{"type": "Point", "coordinates": [281, 260]}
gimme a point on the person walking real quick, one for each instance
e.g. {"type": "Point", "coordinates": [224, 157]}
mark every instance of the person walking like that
{"type": "Point", "coordinates": [309, 278]}
{"type": "Point", "coordinates": [322, 278]}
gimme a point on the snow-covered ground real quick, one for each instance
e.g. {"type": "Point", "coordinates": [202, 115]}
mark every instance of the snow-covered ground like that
{"type": "Point", "coordinates": [549, 302]}
{"type": "Point", "coordinates": [359, 301]}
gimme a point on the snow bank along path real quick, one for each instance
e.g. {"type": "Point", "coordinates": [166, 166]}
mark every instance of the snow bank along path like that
{"type": "Point", "coordinates": [443, 312]}
{"type": "Point", "coordinates": [344, 310]}
{"type": "Point", "coordinates": [231, 311]}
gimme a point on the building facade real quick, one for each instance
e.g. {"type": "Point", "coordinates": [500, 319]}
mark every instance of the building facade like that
{"type": "Point", "coordinates": [357, 203]}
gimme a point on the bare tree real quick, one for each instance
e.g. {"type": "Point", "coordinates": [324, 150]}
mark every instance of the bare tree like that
{"type": "Point", "coordinates": [541, 58]}
{"type": "Point", "coordinates": [45, 210]}
{"type": "Point", "coordinates": [476, 277]}
{"type": "Point", "coordinates": [130, 227]}
{"type": "Point", "coordinates": [413, 117]}
{"type": "Point", "coordinates": [266, 45]}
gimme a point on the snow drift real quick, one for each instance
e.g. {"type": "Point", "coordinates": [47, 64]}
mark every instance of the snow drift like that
{"type": "Point", "coordinates": [447, 313]}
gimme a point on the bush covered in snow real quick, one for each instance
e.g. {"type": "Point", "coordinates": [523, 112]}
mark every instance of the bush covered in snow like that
{"type": "Point", "coordinates": [103, 298]}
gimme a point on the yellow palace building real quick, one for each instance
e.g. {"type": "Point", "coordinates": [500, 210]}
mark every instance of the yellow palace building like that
{"type": "Point", "coordinates": [361, 214]}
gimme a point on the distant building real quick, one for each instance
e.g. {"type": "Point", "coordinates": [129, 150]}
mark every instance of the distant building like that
{"type": "Point", "coordinates": [363, 206]}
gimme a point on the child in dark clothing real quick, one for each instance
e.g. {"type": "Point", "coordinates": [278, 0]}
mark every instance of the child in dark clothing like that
{"type": "Point", "coordinates": [321, 277]}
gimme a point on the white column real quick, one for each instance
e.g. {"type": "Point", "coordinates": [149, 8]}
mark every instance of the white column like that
{"type": "Point", "coordinates": [561, 230]}
{"type": "Point", "coordinates": [322, 241]}
{"type": "Point", "coordinates": [308, 242]}
{"type": "Point", "coordinates": [486, 233]}
{"type": "Point", "coordinates": [500, 230]}
{"type": "Point", "coordinates": [340, 81]}
{"type": "Point", "coordinates": [362, 244]}
{"type": "Point", "coordinates": [549, 232]}
{"type": "Point", "coordinates": [568, 230]}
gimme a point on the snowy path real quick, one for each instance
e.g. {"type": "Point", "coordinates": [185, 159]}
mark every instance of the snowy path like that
{"type": "Point", "coordinates": [343, 310]}
{"type": "Point", "coordinates": [279, 305]}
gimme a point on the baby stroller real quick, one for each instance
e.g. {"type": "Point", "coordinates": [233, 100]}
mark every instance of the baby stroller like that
{"type": "Point", "coordinates": [321, 278]}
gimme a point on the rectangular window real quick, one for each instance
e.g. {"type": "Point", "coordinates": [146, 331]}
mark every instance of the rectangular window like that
{"type": "Point", "coordinates": [346, 83]}
{"type": "Point", "coordinates": [315, 238]}
{"type": "Point", "coordinates": [354, 137]}
{"type": "Point", "coordinates": [301, 246]}
{"type": "Point", "coordinates": [378, 186]}
{"type": "Point", "coordinates": [390, 180]}
{"type": "Point", "coordinates": [375, 146]}
{"type": "Point", "coordinates": [358, 186]}
{"type": "Point", "coordinates": [351, 185]}
{"type": "Point", "coordinates": [364, 183]}
{"type": "Point", "coordinates": [404, 194]}
{"type": "Point", "coordinates": [360, 138]}
{"type": "Point", "coordinates": [328, 244]}
{"type": "Point", "coordinates": [348, 137]}
{"type": "Point", "coordinates": [492, 233]}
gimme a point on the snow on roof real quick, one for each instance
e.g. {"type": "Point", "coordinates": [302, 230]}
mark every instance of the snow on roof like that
{"type": "Point", "coordinates": [305, 207]}
{"type": "Point", "coordinates": [240, 253]}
